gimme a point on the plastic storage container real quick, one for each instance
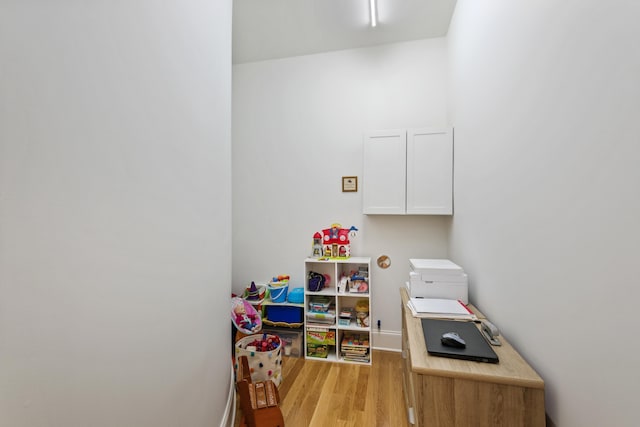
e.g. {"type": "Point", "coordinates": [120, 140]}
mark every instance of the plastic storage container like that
{"type": "Point", "coordinates": [284, 313]}
{"type": "Point", "coordinates": [296, 296]}
{"type": "Point", "coordinates": [319, 305]}
{"type": "Point", "coordinates": [291, 340]}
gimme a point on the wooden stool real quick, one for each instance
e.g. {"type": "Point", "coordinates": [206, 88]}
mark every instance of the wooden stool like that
{"type": "Point", "coordinates": [259, 402]}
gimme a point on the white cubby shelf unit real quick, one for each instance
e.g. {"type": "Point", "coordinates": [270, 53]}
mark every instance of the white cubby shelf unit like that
{"type": "Point", "coordinates": [329, 334]}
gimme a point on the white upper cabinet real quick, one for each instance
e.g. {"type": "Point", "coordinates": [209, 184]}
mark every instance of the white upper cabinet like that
{"type": "Point", "coordinates": [408, 172]}
{"type": "Point", "coordinates": [430, 171]}
{"type": "Point", "coordinates": [384, 172]}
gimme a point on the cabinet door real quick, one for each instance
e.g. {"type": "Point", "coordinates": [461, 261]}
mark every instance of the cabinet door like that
{"type": "Point", "coordinates": [430, 171]}
{"type": "Point", "coordinates": [384, 172]}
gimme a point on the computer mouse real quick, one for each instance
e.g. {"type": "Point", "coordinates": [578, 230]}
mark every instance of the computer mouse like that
{"type": "Point", "coordinates": [452, 339]}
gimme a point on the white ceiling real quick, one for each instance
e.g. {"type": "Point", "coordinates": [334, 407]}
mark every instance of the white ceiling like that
{"type": "Point", "coordinates": [269, 29]}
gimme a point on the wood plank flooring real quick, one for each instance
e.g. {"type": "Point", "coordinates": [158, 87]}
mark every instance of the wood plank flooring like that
{"type": "Point", "coordinates": [323, 394]}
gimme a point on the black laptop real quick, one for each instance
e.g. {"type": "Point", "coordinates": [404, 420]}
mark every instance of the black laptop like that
{"type": "Point", "coordinates": [477, 348]}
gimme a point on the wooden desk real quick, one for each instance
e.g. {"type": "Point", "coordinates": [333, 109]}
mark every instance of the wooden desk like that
{"type": "Point", "coordinates": [444, 392]}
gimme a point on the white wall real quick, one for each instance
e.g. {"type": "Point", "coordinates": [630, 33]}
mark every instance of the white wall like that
{"type": "Point", "coordinates": [546, 105]}
{"type": "Point", "coordinates": [297, 129]}
{"type": "Point", "coordinates": [114, 213]}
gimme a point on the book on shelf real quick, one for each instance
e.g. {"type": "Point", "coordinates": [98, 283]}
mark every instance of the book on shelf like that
{"type": "Point", "coordinates": [350, 359]}
{"type": "Point", "coordinates": [364, 355]}
{"type": "Point", "coordinates": [436, 308]}
{"type": "Point", "coordinates": [356, 358]}
{"type": "Point", "coordinates": [355, 341]}
{"type": "Point", "coordinates": [355, 347]}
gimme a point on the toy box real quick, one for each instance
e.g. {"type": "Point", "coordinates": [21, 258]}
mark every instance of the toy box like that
{"type": "Point", "coordinates": [317, 350]}
{"type": "Point", "coordinates": [284, 313]}
{"type": "Point", "coordinates": [321, 337]}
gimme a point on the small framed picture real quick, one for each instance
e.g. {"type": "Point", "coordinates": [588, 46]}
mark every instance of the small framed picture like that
{"type": "Point", "coordinates": [349, 184]}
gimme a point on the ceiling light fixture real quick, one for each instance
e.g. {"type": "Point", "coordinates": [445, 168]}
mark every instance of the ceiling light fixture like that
{"type": "Point", "coordinates": [373, 13]}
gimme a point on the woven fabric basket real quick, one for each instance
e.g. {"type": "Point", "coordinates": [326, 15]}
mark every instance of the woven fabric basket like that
{"type": "Point", "coordinates": [264, 365]}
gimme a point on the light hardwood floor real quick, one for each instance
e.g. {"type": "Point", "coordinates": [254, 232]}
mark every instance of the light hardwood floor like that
{"type": "Point", "coordinates": [322, 394]}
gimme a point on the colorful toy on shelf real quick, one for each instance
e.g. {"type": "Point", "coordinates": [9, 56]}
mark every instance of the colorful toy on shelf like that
{"type": "Point", "coordinates": [316, 251]}
{"type": "Point", "coordinates": [264, 343]}
{"type": "Point", "coordinates": [280, 278]}
{"type": "Point", "coordinates": [333, 242]}
{"type": "Point", "coordinates": [296, 296]}
{"type": "Point", "coordinates": [362, 313]}
{"type": "Point", "coordinates": [244, 316]}
{"type": "Point", "coordinates": [253, 293]}
{"type": "Point", "coordinates": [316, 281]}
{"type": "Point", "coordinates": [343, 284]}
{"type": "Point", "coordinates": [278, 288]}
{"type": "Point", "coordinates": [359, 282]}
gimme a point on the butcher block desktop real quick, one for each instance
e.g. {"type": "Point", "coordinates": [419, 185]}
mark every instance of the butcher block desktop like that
{"type": "Point", "coordinates": [445, 392]}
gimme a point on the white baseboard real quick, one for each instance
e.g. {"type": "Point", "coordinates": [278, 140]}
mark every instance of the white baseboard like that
{"type": "Point", "coordinates": [386, 340]}
{"type": "Point", "coordinates": [229, 417]}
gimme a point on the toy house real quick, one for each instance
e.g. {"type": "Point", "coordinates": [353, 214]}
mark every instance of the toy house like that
{"type": "Point", "coordinates": [335, 241]}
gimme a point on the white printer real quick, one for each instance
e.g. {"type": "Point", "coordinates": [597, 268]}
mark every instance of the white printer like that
{"type": "Point", "coordinates": [437, 278]}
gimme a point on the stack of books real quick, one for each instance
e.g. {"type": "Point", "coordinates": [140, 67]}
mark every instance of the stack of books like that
{"type": "Point", "coordinates": [355, 347]}
{"type": "Point", "coordinates": [345, 316]}
{"type": "Point", "coordinates": [321, 311]}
